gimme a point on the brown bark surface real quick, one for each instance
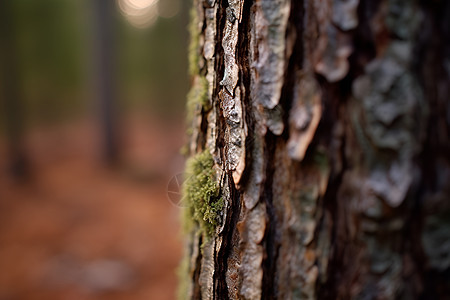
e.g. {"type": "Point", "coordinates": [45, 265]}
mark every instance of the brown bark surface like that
{"type": "Point", "coordinates": [328, 122]}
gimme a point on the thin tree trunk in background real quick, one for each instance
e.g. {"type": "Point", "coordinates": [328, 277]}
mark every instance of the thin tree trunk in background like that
{"type": "Point", "coordinates": [105, 71]}
{"type": "Point", "coordinates": [328, 123]}
{"type": "Point", "coordinates": [11, 92]}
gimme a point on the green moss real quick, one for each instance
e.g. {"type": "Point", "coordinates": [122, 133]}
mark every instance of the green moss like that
{"type": "Point", "coordinates": [201, 193]}
{"type": "Point", "coordinates": [198, 95]}
{"type": "Point", "coordinates": [184, 150]}
{"type": "Point", "coordinates": [194, 32]}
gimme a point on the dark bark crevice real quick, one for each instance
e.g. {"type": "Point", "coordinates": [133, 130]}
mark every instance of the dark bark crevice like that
{"type": "Point", "coordinates": [222, 255]}
{"type": "Point", "coordinates": [229, 233]}
{"type": "Point", "coordinates": [228, 242]}
{"type": "Point", "coordinates": [327, 287]}
{"type": "Point", "coordinates": [430, 51]}
{"type": "Point", "coordinates": [271, 239]}
{"type": "Point", "coordinates": [245, 81]}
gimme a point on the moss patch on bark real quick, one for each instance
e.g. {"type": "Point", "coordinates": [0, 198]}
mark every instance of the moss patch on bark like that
{"type": "Point", "coordinates": [201, 194]}
{"type": "Point", "coordinates": [197, 96]}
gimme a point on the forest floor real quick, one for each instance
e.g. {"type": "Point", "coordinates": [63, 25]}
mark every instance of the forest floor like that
{"type": "Point", "coordinates": [76, 229]}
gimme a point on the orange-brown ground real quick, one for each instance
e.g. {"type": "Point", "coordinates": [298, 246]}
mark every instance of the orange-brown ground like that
{"type": "Point", "coordinates": [79, 230]}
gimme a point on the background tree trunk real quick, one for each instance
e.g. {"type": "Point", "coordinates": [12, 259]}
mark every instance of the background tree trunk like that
{"type": "Point", "coordinates": [328, 126]}
{"type": "Point", "coordinates": [11, 92]}
{"type": "Point", "coordinates": [105, 68]}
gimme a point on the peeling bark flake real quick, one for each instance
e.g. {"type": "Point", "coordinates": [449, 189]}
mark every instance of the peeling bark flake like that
{"type": "Point", "coordinates": [271, 18]}
{"type": "Point", "coordinates": [252, 230]}
{"type": "Point", "coordinates": [234, 134]}
{"type": "Point", "coordinates": [229, 42]}
{"type": "Point", "coordinates": [334, 46]}
{"type": "Point", "coordinates": [206, 278]}
{"type": "Point", "coordinates": [304, 117]}
{"type": "Point", "coordinates": [345, 14]}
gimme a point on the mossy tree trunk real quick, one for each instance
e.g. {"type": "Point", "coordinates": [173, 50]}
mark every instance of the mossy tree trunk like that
{"type": "Point", "coordinates": [327, 126]}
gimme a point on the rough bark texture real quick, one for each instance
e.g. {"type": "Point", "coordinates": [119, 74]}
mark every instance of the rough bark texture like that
{"type": "Point", "coordinates": [328, 123]}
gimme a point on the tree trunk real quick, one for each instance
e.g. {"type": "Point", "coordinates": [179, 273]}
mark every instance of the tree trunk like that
{"type": "Point", "coordinates": [11, 92]}
{"type": "Point", "coordinates": [105, 78]}
{"type": "Point", "coordinates": [319, 152]}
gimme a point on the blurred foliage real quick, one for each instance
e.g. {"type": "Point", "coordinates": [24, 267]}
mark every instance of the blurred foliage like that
{"type": "Point", "coordinates": [54, 42]}
{"type": "Point", "coordinates": [153, 65]}
{"type": "Point", "coordinates": [48, 39]}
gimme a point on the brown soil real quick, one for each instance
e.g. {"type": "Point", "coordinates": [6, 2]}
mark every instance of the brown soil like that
{"type": "Point", "coordinates": [79, 230]}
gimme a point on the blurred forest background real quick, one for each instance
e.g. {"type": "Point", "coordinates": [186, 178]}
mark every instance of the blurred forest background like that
{"type": "Point", "coordinates": [91, 122]}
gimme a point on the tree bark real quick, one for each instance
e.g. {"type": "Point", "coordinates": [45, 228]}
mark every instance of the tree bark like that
{"type": "Point", "coordinates": [327, 123]}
